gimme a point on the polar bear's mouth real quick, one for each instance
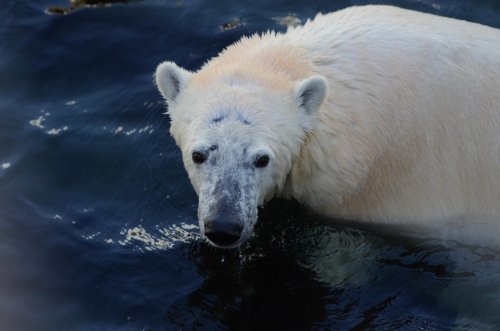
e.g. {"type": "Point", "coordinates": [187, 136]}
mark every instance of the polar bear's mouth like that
{"type": "Point", "coordinates": [227, 227]}
{"type": "Point", "coordinates": [226, 232]}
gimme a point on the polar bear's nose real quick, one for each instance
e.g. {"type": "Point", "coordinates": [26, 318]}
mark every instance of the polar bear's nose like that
{"type": "Point", "coordinates": [222, 232]}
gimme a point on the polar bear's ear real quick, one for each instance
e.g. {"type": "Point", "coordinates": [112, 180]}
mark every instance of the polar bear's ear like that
{"type": "Point", "coordinates": [310, 93]}
{"type": "Point", "coordinates": [171, 79]}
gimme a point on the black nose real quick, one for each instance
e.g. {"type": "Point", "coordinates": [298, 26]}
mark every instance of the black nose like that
{"type": "Point", "coordinates": [222, 232]}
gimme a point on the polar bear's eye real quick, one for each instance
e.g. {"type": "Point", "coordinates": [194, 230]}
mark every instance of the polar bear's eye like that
{"type": "Point", "coordinates": [261, 161]}
{"type": "Point", "coordinates": [199, 157]}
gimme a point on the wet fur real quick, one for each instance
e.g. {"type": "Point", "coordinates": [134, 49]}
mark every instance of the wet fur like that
{"type": "Point", "coordinates": [409, 131]}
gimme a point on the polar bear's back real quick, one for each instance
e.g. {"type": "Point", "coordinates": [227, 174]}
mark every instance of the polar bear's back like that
{"type": "Point", "coordinates": [373, 21]}
{"type": "Point", "coordinates": [412, 119]}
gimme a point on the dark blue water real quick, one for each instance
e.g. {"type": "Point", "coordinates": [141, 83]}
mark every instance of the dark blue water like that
{"type": "Point", "coordinates": [98, 227]}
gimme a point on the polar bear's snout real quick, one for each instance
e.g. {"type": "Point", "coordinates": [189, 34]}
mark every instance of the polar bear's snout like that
{"type": "Point", "coordinates": [227, 208]}
{"type": "Point", "coordinates": [223, 231]}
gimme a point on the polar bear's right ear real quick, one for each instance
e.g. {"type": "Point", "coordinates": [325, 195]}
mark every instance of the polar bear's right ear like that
{"type": "Point", "coordinates": [171, 79]}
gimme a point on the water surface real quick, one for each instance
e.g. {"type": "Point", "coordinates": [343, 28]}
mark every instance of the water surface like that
{"type": "Point", "coordinates": [98, 227]}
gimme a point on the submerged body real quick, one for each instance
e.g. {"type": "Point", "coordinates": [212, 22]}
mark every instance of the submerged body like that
{"type": "Point", "coordinates": [375, 114]}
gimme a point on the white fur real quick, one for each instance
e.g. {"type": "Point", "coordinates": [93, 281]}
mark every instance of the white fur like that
{"type": "Point", "coordinates": [170, 80]}
{"type": "Point", "coordinates": [402, 125]}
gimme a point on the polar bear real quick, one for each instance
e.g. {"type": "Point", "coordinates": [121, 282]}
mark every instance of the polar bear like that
{"type": "Point", "coordinates": [373, 113]}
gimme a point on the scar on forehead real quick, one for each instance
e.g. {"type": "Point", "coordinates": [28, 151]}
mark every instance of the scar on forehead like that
{"type": "Point", "coordinates": [219, 118]}
{"type": "Point", "coordinates": [239, 116]}
{"type": "Point", "coordinates": [242, 119]}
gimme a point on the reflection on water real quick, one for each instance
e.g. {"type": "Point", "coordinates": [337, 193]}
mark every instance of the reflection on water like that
{"type": "Point", "coordinates": [311, 276]}
{"type": "Point", "coordinates": [98, 226]}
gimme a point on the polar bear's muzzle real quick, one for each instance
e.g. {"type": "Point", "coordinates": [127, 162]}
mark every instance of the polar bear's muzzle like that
{"type": "Point", "coordinates": [224, 226]}
{"type": "Point", "coordinates": [227, 212]}
{"type": "Point", "coordinates": [223, 231]}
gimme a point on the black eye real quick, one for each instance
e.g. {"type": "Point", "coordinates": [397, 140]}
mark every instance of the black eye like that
{"type": "Point", "coordinates": [199, 157]}
{"type": "Point", "coordinates": [261, 161]}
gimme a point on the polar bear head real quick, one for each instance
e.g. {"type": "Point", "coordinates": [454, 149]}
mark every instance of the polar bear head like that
{"type": "Point", "coordinates": [239, 135]}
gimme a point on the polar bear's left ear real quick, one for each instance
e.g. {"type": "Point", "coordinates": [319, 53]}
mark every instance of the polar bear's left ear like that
{"type": "Point", "coordinates": [310, 93]}
{"type": "Point", "coordinates": [171, 79]}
